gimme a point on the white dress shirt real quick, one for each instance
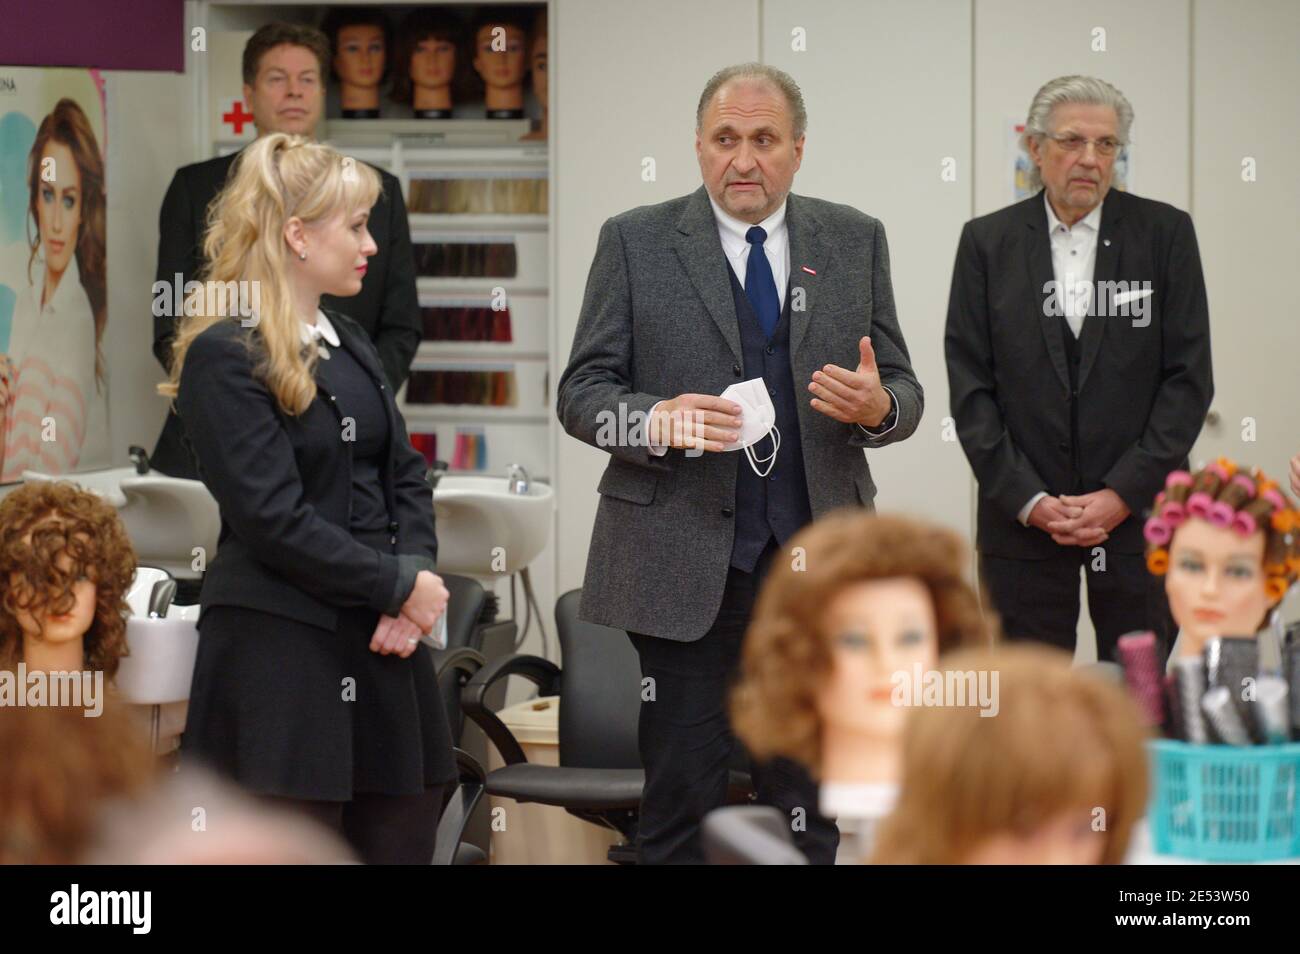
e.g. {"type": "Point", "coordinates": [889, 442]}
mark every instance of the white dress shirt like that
{"type": "Point", "coordinates": [1074, 259]}
{"type": "Point", "coordinates": [321, 330]}
{"type": "Point", "coordinates": [732, 232]}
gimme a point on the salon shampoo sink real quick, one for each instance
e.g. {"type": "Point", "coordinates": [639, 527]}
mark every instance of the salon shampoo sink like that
{"type": "Point", "coordinates": [165, 517]}
{"type": "Point", "coordinates": [484, 530]}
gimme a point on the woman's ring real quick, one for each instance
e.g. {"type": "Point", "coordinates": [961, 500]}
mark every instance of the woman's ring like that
{"type": "Point", "coordinates": [412, 641]}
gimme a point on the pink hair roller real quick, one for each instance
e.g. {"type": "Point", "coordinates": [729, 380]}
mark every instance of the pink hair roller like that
{"type": "Point", "coordinates": [1177, 477]}
{"type": "Point", "coordinates": [1221, 514]}
{"type": "Point", "coordinates": [1199, 504]}
{"type": "Point", "coordinates": [1244, 523]}
{"type": "Point", "coordinates": [1275, 498]}
{"type": "Point", "coordinates": [1174, 514]}
{"type": "Point", "coordinates": [1157, 531]}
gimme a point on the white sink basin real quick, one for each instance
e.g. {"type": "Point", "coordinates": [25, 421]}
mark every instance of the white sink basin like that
{"type": "Point", "coordinates": [165, 517]}
{"type": "Point", "coordinates": [486, 531]}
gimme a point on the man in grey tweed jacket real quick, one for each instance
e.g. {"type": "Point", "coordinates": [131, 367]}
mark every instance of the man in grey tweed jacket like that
{"type": "Point", "coordinates": [678, 307]}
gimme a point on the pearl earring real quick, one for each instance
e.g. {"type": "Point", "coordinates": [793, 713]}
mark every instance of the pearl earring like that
{"type": "Point", "coordinates": [302, 256]}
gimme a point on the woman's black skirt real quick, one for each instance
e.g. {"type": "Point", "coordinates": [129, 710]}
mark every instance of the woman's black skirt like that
{"type": "Point", "coordinates": [285, 708]}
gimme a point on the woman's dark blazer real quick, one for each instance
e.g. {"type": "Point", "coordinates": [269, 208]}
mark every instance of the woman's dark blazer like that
{"type": "Point", "coordinates": [284, 487]}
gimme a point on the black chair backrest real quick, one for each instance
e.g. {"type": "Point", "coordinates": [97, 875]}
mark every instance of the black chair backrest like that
{"type": "Point", "coordinates": [463, 609]}
{"type": "Point", "coordinates": [600, 702]}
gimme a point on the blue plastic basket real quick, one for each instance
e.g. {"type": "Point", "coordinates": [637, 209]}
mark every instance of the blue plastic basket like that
{"type": "Point", "coordinates": [1225, 802]}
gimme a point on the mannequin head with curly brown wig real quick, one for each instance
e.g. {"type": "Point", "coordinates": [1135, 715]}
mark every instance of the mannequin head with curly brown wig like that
{"type": "Point", "coordinates": [862, 599]}
{"type": "Point", "coordinates": [66, 564]}
{"type": "Point", "coordinates": [1227, 541]}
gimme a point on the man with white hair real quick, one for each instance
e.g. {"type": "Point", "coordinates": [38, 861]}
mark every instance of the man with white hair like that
{"type": "Point", "coordinates": [1078, 351]}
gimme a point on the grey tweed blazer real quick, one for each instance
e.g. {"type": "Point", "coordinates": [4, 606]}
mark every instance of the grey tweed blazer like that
{"type": "Point", "coordinates": [658, 320]}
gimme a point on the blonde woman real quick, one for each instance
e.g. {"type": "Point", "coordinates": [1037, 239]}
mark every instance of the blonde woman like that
{"type": "Point", "coordinates": [312, 684]}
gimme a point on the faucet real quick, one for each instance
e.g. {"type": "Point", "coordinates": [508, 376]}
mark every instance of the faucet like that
{"type": "Point", "coordinates": [436, 473]}
{"type": "Point", "coordinates": [517, 479]}
{"type": "Point", "coordinates": [140, 459]}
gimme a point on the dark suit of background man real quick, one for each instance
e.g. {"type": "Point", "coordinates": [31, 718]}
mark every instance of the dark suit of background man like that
{"type": "Point", "coordinates": [1071, 404]}
{"type": "Point", "coordinates": [283, 69]}
{"type": "Point", "coordinates": [684, 299]}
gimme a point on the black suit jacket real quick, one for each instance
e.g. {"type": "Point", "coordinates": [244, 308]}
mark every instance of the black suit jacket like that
{"type": "Point", "coordinates": [284, 483]}
{"type": "Point", "coordinates": [1144, 384]}
{"type": "Point", "coordinates": [387, 307]}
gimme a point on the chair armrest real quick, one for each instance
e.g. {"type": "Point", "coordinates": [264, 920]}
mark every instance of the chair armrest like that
{"type": "Point", "coordinates": [541, 672]}
{"type": "Point", "coordinates": [468, 661]}
{"type": "Point", "coordinates": [469, 767]}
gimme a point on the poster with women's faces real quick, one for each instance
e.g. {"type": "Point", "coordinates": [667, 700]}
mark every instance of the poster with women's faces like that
{"type": "Point", "coordinates": [53, 268]}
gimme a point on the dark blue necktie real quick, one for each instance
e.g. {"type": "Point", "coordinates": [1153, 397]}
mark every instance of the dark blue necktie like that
{"type": "Point", "coordinates": [760, 287]}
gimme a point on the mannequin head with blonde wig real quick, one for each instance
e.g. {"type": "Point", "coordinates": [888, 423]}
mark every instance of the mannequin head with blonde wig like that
{"type": "Point", "coordinates": [1057, 776]}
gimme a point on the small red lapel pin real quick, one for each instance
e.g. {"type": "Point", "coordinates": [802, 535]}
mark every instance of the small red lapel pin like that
{"type": "Point", "coordinates": [807, 269]}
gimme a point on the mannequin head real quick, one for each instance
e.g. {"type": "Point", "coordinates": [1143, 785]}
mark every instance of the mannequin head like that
{"type": "Point", "coordinates": [1058, 776]}
{"type": "Point", "coordinates": [537, 68]}
{"type": "Point", "coordinates": [537, 46]}
{"type": "Point", "coordinates": [284, 73]}
{"type": "Point", "coordinates": [427, 60]}
{"type": "Point", "coordinates": [61, 770]}
{"type": "Point", "coordinates": [66, 564]}
{"type": "Point", "coordinates": [854, 599]}
{"type": "Point", "coordinates": [359, 39]}
{"type": "Point", "coordinates": [1224, 538]}
{"type": "Point", "coordinates": [501, 59]}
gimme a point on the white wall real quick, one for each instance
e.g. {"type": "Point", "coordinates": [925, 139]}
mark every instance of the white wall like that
{"type": "Point", "coordinates": [1246, 96]}
{"type": "Point", "coordinates": [881, 122]}
{"type": "Point", "coordinates": [146, 146]}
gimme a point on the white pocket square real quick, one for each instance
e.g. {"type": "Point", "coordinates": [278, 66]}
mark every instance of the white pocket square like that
{"type": "Point", "coordinates": [1123, 298]}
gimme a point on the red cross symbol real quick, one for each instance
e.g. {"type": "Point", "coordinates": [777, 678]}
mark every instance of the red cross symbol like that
{"type": "Point", "coordinates": [237, 117]}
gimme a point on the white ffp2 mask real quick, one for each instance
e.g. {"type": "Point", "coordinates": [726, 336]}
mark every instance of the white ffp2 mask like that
{"type": "Point", "coordinates": [758, 419]}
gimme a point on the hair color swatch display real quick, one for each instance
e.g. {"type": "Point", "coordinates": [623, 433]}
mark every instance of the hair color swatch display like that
{"type": "Point", "coordinates": [427, 445]}
{"type": "Point", "coordinates": [489, 388]}
{"type": "Point", "coordinates": [472, 323]}
{"type": "Point", "coordinates": [466, 259]}
{"type": "Point", "coordinates": [471, 449]}
{"type": "Point", "coordinates": [478, 196]}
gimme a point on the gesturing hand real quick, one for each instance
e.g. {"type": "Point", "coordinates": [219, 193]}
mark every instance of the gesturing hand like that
{"type": "Point", "coordinates": [852, 397]}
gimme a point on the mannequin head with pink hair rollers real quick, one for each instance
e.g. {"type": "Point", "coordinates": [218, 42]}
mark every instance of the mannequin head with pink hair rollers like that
{"type": "Point", "coordinates": [1227, 541]}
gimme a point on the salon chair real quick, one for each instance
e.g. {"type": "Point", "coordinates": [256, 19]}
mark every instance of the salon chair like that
{"type": "Point", "coordinates": [599, 778]}
{"type": "Point", "coordinates": [749, 835]}
{"type": "Point", "coordinates": [451, 848]}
